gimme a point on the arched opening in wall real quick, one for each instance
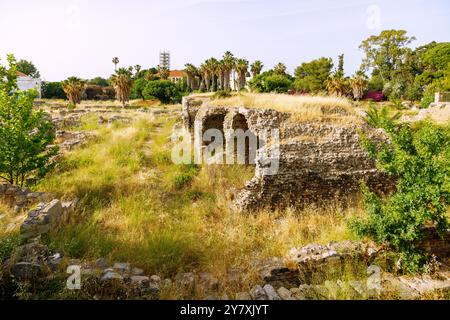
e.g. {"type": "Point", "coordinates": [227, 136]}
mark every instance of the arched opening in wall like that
{"type": "Point", "coordinates": [244, 141]}
{"type": "Point", "coordinates": [213, 132]}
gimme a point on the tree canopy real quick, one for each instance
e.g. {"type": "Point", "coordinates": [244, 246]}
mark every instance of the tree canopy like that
{"type": "Point", "coordinates": [28, 68]}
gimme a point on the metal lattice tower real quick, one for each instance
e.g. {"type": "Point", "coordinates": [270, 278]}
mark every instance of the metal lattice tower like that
{"type": "Point", "coordinates": [164, 59]}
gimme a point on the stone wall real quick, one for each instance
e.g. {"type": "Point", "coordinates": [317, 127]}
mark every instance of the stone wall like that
{"type": "Point", "coordinates": [434, 244]}
{"type": "Point", "coordinates": [318, 161]}
{"type": "Point", "coordinates": [21, 198]}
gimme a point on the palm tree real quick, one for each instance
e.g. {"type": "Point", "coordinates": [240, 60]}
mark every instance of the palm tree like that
{"type": "Point", "coordinates": [220, 73]}
{"type": "Point", "coordinates": [280, 68]}
{"type": "Point", "coordinates": [359, 84]}
{"type": "Point", "coordinates": [115, 60]}
{"type": "Point", "coordinates": [338, 85]}
{"type": "Point", "coordinates": [206, 77]}
{"type": "Point", "coordinates": [137, 68]}
{"type": "Point", "coordinates": [212, 65]}
{"type": "Point", "coordinates": [74, 88]}
{"type": "Point", "coordinates": [228, 65]}
{"type": "Point", "coordinates": [122, 82]}
{"type": "Point", "coordinates": [163, 72]}
{"type": "Point", "coordinates": [191, 72]}
{"type": "Point", "coordinates": [256, 68]}
{"type": "Point", "coordinates": [241, 69]}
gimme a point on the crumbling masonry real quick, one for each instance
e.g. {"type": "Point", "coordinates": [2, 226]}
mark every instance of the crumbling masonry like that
{"type": "Point", "coordinates": [318, 161]}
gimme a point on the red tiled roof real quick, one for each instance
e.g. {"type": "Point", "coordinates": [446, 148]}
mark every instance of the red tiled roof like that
{"type": "Point", "coordinates": [176, 74]}
{"type": "Point", "coordinates": [20, 74]}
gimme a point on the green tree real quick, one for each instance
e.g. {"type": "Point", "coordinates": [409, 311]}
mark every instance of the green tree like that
{"type": "Point", "coordinates": [28, 68]}
{"type": "Point", "coordinates": [163, 90]}
{"type": "Point", "coordinates": [312, 76]}
{"type": "Point", "coordinates": [340, 69]}
{"type": "Point", "coordinates": [138, 88]}
{"type": "Point", "coordinates": [418, 158]}
{"type": "Point", "coordinates": [269, 81]}
{"type": "Point", "coordinates": [53, 90]}
{"type": "Point", "coordinates": [435, 62]}
{"type": "Point", "coordinates": [385, 52]}
{"type": "Point", "coordinates": [8, 75]}
{"type": "Point", "coordinates": [99, 81]}
{"type": "Point", "coordinates": [25, 134]}
{"type": "Point", "coordinates": [122, 82]}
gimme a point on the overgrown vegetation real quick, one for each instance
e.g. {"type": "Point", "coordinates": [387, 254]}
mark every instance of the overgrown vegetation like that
{"type": "Point", "coordinates": [418, 158]}
{"type": "Point", "coordinates": [139, 207]}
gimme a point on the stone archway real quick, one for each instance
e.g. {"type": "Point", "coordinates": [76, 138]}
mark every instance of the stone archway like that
{"type": "Point", "coordinates": [242, 141]}
{"type": "Point", "coordinates": [213, 129]}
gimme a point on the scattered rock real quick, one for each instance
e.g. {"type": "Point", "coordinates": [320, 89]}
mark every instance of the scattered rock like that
{"type": "Point", "coordinates": [186, 280]}
{"type": "Point", "coordinates": [122, 267]}
{"type": "Point", "coordinates": [110, 275]}
{"type": "Point", "coordinates": [26, 270]}
{"type": "Point", "coordinates": [101, 263]}
{"type": "Point", "coordinates": [258, 293]}
{"type": "Point", "coordinates": [140, 281]}
{"type": "Point", "coordinates": [271, 293]}
{"type": "Point", "coordinates": [285, 294]}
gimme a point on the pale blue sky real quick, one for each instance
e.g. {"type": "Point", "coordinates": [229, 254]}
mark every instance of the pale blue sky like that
{"type": "Point", "coordinates": [80, 37]}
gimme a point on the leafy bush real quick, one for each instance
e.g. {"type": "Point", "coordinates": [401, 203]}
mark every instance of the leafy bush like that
{"type": "Point", "coordinates": [188, 172]}
{"type": "Point", "coordinates": [426, 101]}
{"type": "Point", "coordinates": [137, 92]}
{"type": "Point", "coordinates": [418, 157]}
{"type": "Point", "coordinates": [25, 133]}
{"type": "Point", "coordinates": [53, 90]}
{"type": "Point", "coordinates": [277, 83]}
{"type": "Point", "coordinates": [269, 81]}
{"type": "Point", "coordinates": [163, 90]}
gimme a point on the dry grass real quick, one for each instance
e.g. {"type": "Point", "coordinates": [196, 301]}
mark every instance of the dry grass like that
{"type": "Point", "coordinates": [303, 108]}
{"type": "Point", "coordinates": [137, 103]}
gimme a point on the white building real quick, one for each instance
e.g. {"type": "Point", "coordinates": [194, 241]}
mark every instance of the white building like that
{"type": "Point", "coordinates": [25, 82]}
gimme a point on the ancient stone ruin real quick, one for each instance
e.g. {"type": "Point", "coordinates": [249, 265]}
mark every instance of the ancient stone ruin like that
{"type": "Point", "coordinates": [318, 161]}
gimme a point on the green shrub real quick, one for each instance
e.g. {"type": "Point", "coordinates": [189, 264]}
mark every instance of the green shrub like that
{"type": "Point", "coordinates": [163, 90]}
{"type": "Point", "coordinates": [270, 82]}
{"type": "Point", "coordinates": [418, 158]}
{"type": "Point", "coordinates": [426, 101]}
{"type": "Point", "coordinates": [137, 91]}
{"type": "Point", "coordinates": [184, 178]}
{"type": "Point", "coordinates": [278, 83]}
{"type": "Point", "coordinates": [52, 90]}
